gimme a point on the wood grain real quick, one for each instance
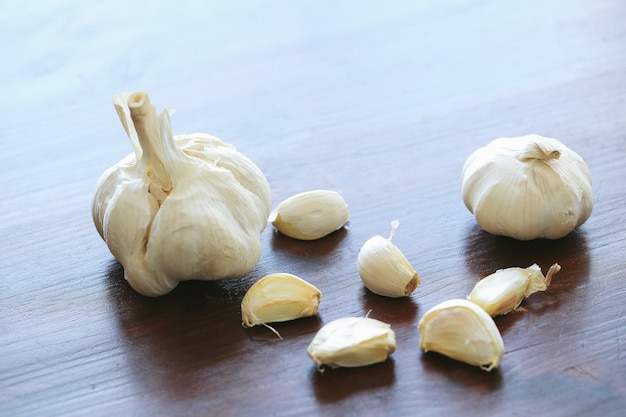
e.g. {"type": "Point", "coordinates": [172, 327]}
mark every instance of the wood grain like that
{"type": "Point", "coordinates": [381, 102]}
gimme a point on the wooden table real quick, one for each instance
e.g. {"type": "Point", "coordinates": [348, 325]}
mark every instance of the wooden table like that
{"type": "Point", "coordinates": [381, 101]}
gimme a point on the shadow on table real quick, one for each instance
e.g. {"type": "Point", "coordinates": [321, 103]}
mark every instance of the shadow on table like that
{"type": "Point", "coordinates": [485, 253]}
{"type": "Point", "coordinates": [389, 310]}
{"type": "Point", "coordinates": [336, 384]}
{"type": "Point", "coordinates": [459, 373]}
{"type": "Point", "coordinates": [172, 340]}
{"type": "Point", "coordinates": [308, 248]}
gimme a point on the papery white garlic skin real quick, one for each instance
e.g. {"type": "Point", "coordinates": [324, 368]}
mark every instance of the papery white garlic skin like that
{"type": "Point", "coordinates": [504, 290]}
{"type": "Point", "coordinates": [180, 207]}
{"type": "Point", "coordinates": [279, 297]}
{"type": "Point", "coordinates": [352, 342]}
{"type": "Point", "coordinates": [384, 269]}
{"type": "Point", "coordinates": [311, 215]}
{"type": "Point", "coordinates": [463, 331]}
{"type": "Point", "coordinates": [527, 187]}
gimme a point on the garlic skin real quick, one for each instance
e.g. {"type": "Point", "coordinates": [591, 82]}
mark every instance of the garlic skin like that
{"type": "Point", "coordinates": [384, 269]}
{"type": "Point", "coordinates": [180, 207]}
{"type": "Point", "coordinates": [462, 331]}
{"type": "Point", "coordinates": [279, 297]}
{"type": "Point", "coordinates": [311, 215]}
{"type": "Point", "coordinates": [352, 342]}
{"type": "Point", "coordinates": [504, 290]}
{"type": "Point", "coordinates": [527, 188]}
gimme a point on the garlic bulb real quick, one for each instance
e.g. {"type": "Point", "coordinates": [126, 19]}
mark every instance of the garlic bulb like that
{"type": "Point", "coordinates": [527, 188]}
{"type": "Point", "coordinates": [279, 297]}
{"type": "Point", "coordinates": [384, 269]}
{"type": "Point", "coordinates": [504, 290]}
{"type": "Point", "coordinates": [462, 331]}
{"type": "Point", "coordinates": [352, 342]}
{"type": "Point", "coordinates": [310, 215]}
{"type": "Point", "coordinates": [180, 207]}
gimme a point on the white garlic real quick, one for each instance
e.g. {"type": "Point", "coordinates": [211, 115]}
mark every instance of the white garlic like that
{"type": "Point", "coordinates": [384, 269]}
{"type": "Point", "coordinates": [504, 290]}
{"type": "Point", "coordinates": [462, 331]}
{"type": "Point", "coordinates": [527, 188]}
{"type": "Point", "coordinates": [279, 297]}
{"type": "Point", "coordinates": [352, 342]}
{"type": "Point", "coordinates": [310, 215]}
{"type": "Point", "coordinates": [180, 207]}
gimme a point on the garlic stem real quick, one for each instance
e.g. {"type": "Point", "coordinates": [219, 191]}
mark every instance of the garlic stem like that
{"type": "Point", "coordinates": [553, 270]}
{"type": "Point", "coordinates": [536, 150]}
{"type": "Point", "coordinates": [394, 225]}
{"type": "Point", "coordinates": [146, 125]}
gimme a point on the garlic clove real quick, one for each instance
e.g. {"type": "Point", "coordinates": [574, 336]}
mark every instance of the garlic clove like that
{"type": "Point", "coordinates": [352, 342]}
{"type": "Point", "coordinates": [384, 269]}
{"type": "Point", "coordinates": [311, 215]}
{"type": "Point", "coordinates": [504, 290]}
{"type": "Point", "coordinates": [279, 297]}
{"type": "Point", "coordinates": [462, 331]}
{"type": "Point", "coordinates": [527, 187]}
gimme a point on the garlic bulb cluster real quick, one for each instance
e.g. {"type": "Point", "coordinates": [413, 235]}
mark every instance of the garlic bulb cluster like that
{"type": "Point", "coordinates": [527, 188]}
{"type": "Point", "coordinates": [279, 297]}
{"type": "Point", "coordinates": [352, 342]}
{"type": "Point", "coordinates": [384, 269]}
{"type": "Point", "coordinates": [180, 207]}
{"type": "Point", "coordinates": [462, 331]}
{"type": "Point", "coordinates": [504, 290]}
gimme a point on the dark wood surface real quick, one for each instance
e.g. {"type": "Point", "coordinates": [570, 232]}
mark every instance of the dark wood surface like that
{"type": "Point", "coordinates": [381, 101]}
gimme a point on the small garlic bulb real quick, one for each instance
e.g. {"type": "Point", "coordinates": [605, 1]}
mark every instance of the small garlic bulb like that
{"type": "Point", "coordinates": [527, 188]}
{"type": "Point", "coordinates": [352, 342]}
{"type": "Point", "coordinates": [384, 269]}
{"type": "Point", "coordinates": [463, 331]}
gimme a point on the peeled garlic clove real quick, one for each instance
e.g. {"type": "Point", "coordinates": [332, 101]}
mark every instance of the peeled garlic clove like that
{"type": "Point", "coordinates": [311, 215]}
{"type": "Point", "coordinates": [352, 342]}
{"type": "Point", "coordinates": [462, 331]}
{"type": "Point", "coordinates": [279, 297]}
{"type": "Point", "coordinates": [384, 269]}
{"type": "Point", "coordinates": [504, 290]}
{"type": "Point", "coordinates": [527, 188]}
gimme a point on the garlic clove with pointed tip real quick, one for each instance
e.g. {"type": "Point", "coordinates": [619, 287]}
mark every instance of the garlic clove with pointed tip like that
{"type": "Point", "coordinates": [527, 187]}
{"type": "Point", "coordinates": [310, 215]}
{"type": "Point", "coordinates": [384, 269]}
{"type": "Point", "coordinates": [504, 290]}
{"type": "Point", "coordinates": [279, 297]}
{"type": "Point", "coordinates": [352, 342]}
{"type": "Point", "coordinates": [462, 331]}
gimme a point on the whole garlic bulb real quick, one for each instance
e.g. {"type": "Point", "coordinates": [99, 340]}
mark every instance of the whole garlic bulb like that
{"type": "Point", "coordinates": [527, 187]}
{"type": "Point", "coordinates": [180, 207]}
